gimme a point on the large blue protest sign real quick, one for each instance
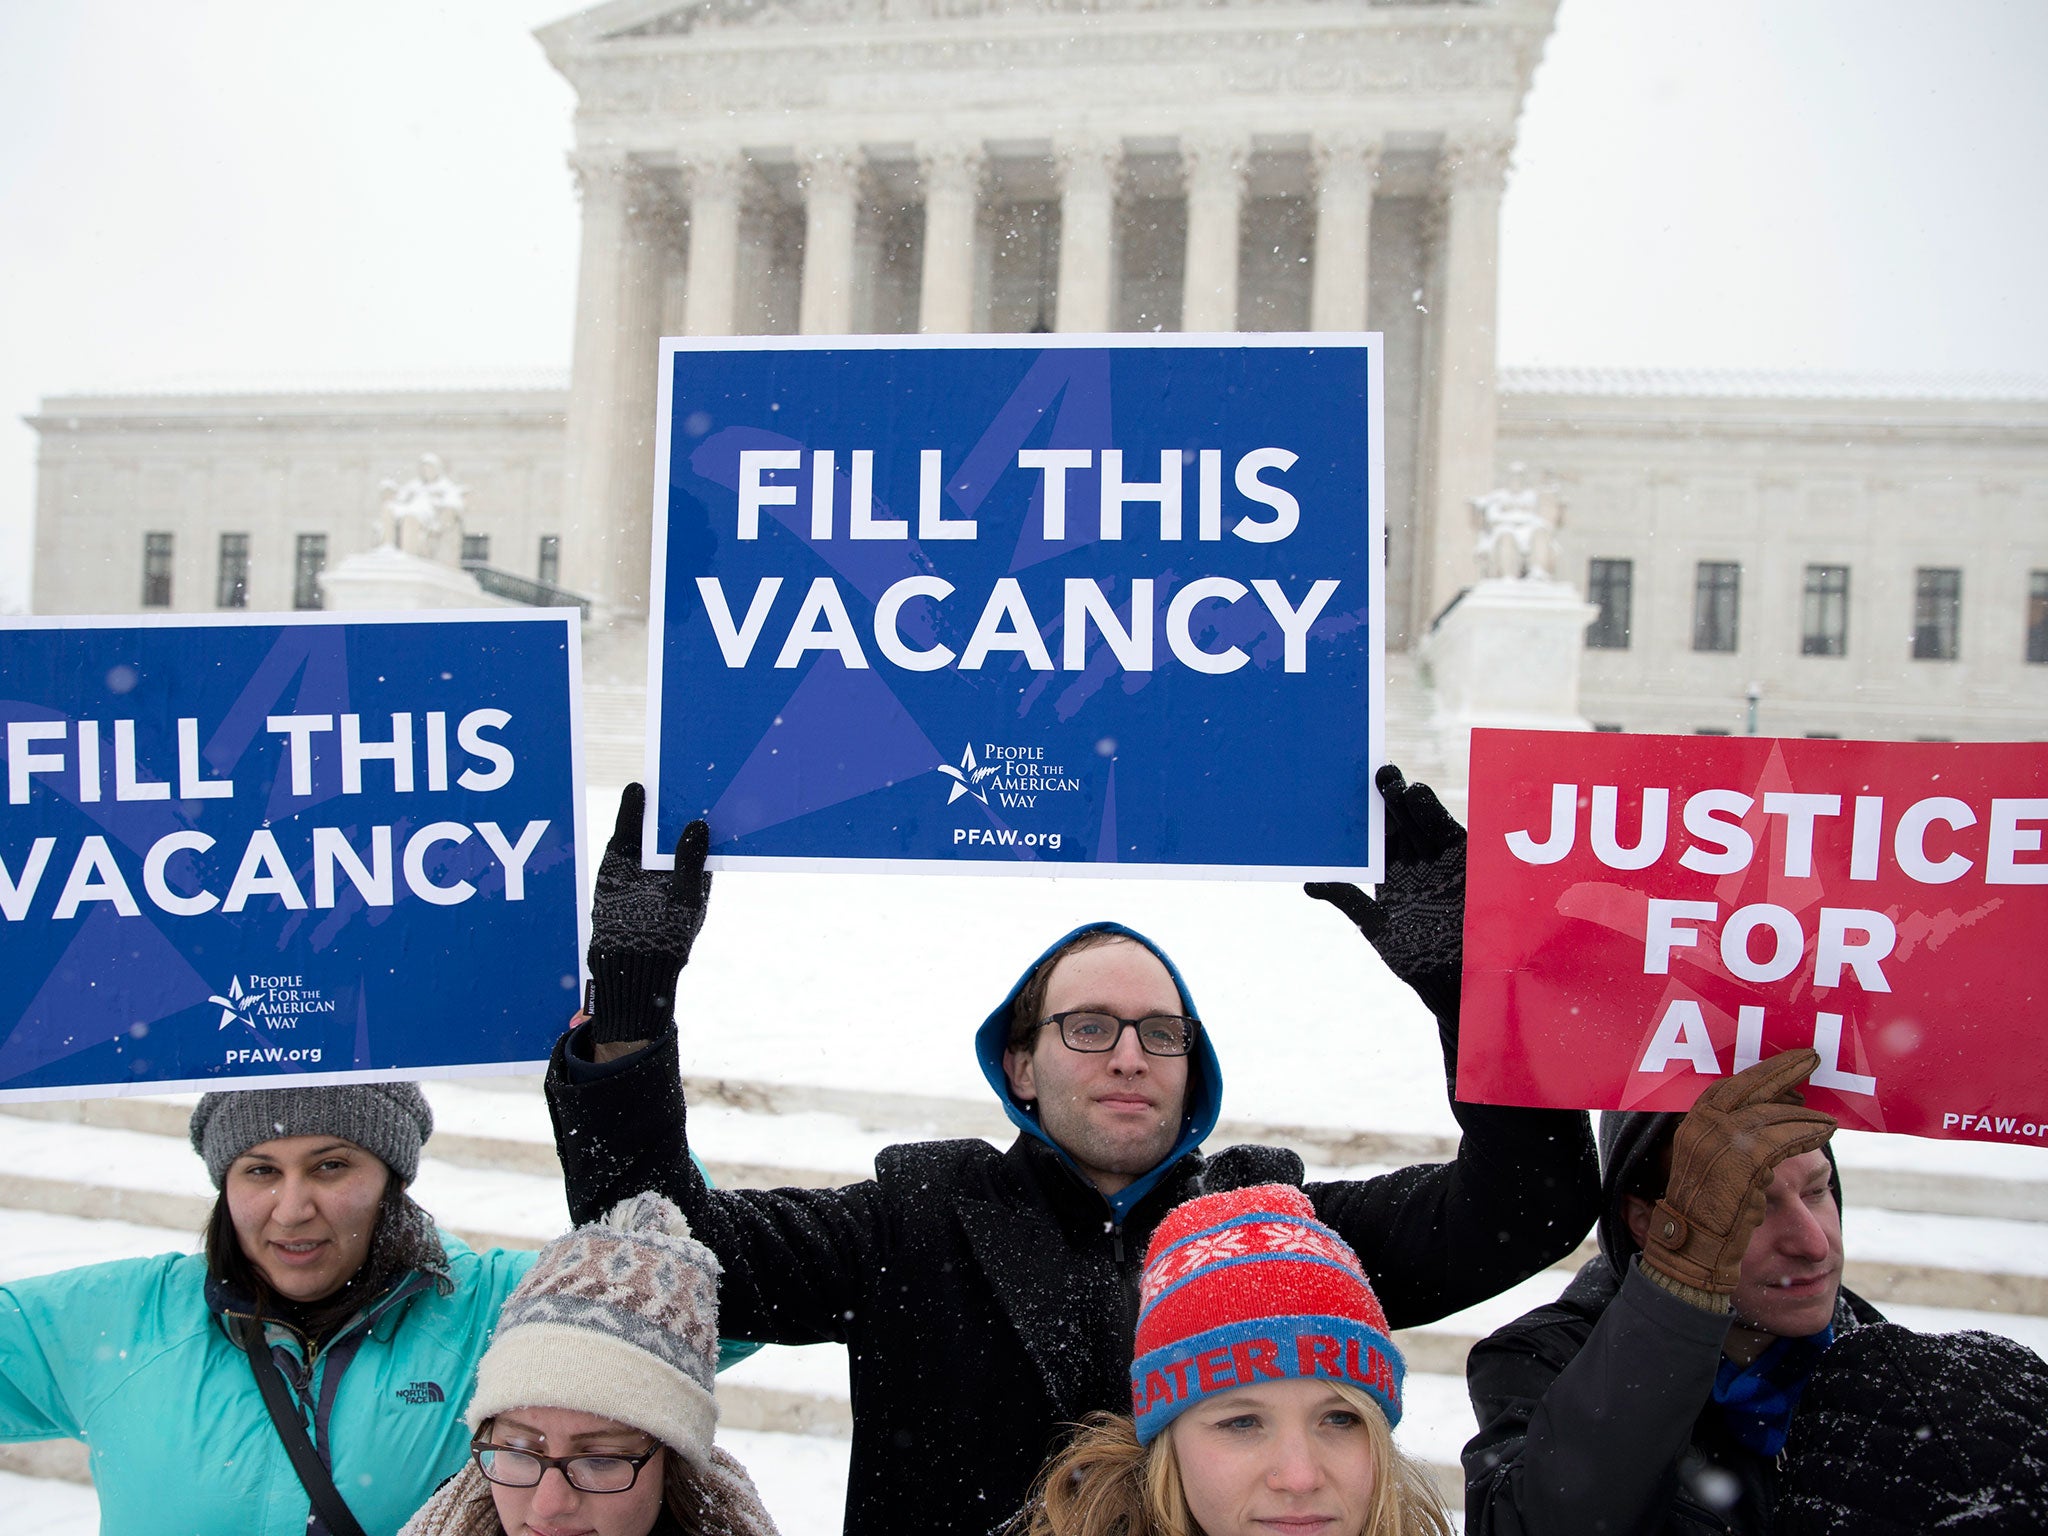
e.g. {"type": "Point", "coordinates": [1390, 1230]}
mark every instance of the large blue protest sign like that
{"type": "Point", "coordinates": [285, 847]}
{"type": "Point", "coordinates": [1055, 604]}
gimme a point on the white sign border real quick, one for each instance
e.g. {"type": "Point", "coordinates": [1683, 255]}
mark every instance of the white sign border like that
{"type": "Point", "coordinates": [1374, 345]}
{"type": "Point", "coordinates": [570, 618]}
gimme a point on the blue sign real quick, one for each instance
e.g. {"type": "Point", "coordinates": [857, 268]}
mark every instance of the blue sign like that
{"type": "Point", "coordinates": [270, 849]}
{"type": "Point", "coordinates": [1043, 604]}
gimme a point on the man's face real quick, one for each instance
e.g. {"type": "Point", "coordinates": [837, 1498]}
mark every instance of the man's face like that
{"type": "Point", "coordinates": [1116, 1113]}
{"type": "Point", "coordinates": [1793, 1265]}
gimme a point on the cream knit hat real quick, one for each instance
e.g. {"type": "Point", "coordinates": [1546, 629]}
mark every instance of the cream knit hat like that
{"type": "Point", "coordinates": [619, 1319]}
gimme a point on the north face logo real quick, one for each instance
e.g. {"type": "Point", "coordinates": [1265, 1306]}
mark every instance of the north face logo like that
{"type": "Point", "coordinates": [422, 1392]}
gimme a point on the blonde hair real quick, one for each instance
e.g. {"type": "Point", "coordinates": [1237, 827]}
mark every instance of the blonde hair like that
{"type": "Point", "coordinates": [1106, 1484]}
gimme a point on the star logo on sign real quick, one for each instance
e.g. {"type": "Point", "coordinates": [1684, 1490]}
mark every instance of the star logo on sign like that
{"type": "Point", "coordinates": [239, 1006]}
{"type": "Point", "coordinates": [968, 777]}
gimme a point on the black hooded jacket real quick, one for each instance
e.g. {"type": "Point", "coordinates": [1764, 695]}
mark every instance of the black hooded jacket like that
{"type": "Point", "coordinates": [988, 1299]}
{"type": "Point", "coordinates": [1596, 1413]}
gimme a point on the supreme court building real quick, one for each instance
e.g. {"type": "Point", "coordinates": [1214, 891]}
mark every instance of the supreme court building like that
{"type": "Point", "coordinates": [1842, 557]}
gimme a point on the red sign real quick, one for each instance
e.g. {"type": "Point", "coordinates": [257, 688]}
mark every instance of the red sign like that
{"type": "Point", "coordinates": [1648, 913]}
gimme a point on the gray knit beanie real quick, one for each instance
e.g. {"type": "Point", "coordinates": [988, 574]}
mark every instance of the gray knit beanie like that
{"type": "Point", "coordinates": [387, 1120]}
{"type": "Point", "coordinates": [620, 1319]}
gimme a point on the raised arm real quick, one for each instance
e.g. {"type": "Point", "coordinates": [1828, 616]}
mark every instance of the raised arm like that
{"type": "Point", "coordinates": [795, 1259]}
{"type": "Point", "coordinates": [1598, 1440]}
{"type": "Point", "coordinates": [1525, 1185]}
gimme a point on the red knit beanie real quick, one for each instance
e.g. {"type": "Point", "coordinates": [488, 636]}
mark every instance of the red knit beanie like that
{"type": "Point", "coordinates": [1248, 1286]}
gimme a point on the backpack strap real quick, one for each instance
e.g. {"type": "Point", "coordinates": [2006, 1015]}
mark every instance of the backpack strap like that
{"type": "Point", "coordinates": [328, 1504]}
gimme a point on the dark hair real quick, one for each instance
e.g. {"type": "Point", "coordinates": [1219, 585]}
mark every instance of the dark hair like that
{"type": "Point", "coordinates": [1647, 1177]}
{"type": "Point", "coordinates": [1027, 1012]}
{"type": "Point", "coordinates": [402, 1240]}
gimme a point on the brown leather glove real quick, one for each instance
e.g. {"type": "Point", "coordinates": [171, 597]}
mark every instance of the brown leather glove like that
{"type": "Point", "coordinates": [1724, 1154]}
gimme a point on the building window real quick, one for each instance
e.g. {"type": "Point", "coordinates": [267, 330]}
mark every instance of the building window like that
{"type": "Point", "coordinates": [2037, 616]}
{"type": "Point", "coordinates": [550, 558]}
{"type": "Point", "coordinates": [1937, 612]}
{"type": "Point", "coordinates": [1608, 587]}
{"type": "Point", "coordinates": [1824, 629]}
{"type": "Point", "coordinates": [1716, 605]}
{"type": "Point", "coordinates": [231, 590]}
{"type": "Point", "coordinates": [476, 549]}
{"type": "Point", "coordinates": [156, 570]}
{"type": "Point", "coordinates": [307, 565]}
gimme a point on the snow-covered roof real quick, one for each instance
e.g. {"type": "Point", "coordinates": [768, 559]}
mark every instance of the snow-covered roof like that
{"type": "Point", "coordinates": [451, 381]}
{"type": "Point", "coordinates": [1756, 384]}
{"type": "Point", "coordinates": [1613, 383]}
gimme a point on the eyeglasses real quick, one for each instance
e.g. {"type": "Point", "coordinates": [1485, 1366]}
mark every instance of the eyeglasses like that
{"type": "Point", "coordinates": [1159, 1034]}
{"type": "Point", "coordinates": [586, 1474]}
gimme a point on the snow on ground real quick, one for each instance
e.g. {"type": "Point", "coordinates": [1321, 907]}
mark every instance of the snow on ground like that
{"type": "Point", "coordinates": [37, 1243]}
{"type": "Point", "coordinates": [479, 1198]}
{"type": "Point", "coordinates": [1436, 1418]}
{"type": "Point", "coordinates": [37, 1506]}
{"type": "Point", "coordinates": [819, 1369]}
{"type": "Point", "coordinates": [1952, 1242]}
{"type": "Point", "coordinates": [802, 1478]}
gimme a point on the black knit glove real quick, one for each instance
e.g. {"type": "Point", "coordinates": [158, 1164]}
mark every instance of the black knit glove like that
{"type": "Point", "coordinates": [1418, 922]}
{"type": "Point", "coordinates": [642, 924]}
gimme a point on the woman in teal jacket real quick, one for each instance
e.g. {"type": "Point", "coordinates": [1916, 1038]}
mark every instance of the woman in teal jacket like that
{"type": "Point", "coordinates": [320, 1271]}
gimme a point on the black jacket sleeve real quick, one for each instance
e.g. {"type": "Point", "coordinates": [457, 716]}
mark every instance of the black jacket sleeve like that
{"type": "Point", "coordinates": [1587, 1441]}
{"type": "Point", "coordinates": [794, 1260]}
{"type": "Point", "coordinates": [1439, 1237]}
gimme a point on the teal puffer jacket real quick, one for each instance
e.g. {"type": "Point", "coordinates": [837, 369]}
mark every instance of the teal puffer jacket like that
{"type": "Point", "coordinates": [132, 1358]}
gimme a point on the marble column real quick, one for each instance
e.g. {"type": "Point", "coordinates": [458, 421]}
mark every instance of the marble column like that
{"type": "Point", "coordinates": [1087, 277]}
{"type": "Point", "coordinates": [951, 174]}
{"type": "Point", "coordinates": [831, 183]}
{"type": "Point", "coordinates": [1472, 174]}
{"type": "Point", "coordinates": [713, 183]}
{"type": "Point", "coordinates": [1213, 167]}
{"type": "Point", "coordinates": [1347, 170]}
{"type": "Point", "coordinates": [626, 248]}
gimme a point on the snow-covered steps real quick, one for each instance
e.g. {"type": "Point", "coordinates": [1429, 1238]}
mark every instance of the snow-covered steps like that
{"type": "Point", "coordinates": [492, 1177]}
{"type": "Point", "coordinates": [38, 1506]}
{"type": "Point", "coordinates": [77, 1169]}
{"type": "Point", "coordinates": [758, 1134]}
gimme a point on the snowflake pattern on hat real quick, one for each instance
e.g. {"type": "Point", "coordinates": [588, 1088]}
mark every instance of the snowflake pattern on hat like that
{"type": "Point", "coordinates": [1245, 1237]}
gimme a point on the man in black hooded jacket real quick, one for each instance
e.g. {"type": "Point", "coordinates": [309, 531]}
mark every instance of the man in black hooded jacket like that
{"type": "Point", "coordinates": [987, 1299]}
{"type": "Point", "coordinates": [1656, 1394]}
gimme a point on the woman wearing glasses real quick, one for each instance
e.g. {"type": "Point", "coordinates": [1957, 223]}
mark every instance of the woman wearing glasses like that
{"type": "Point", "coordinates": [1264, 1392]}
{"type": "Point", "coordinates": [593, 1411]}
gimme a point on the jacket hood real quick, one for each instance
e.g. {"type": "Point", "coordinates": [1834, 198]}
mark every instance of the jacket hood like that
{"type": "Point", "coordinates": [1205, 1077]}
{"type": "Point", "coordinates": [1630, 1139]}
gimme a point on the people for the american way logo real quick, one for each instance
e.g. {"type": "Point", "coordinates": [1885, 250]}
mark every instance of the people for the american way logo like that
{"type": "Point", "coordinates": [1015, 775]}
{"type": "Point", "coordinates": [238, 1005]}
{"type": "Point", "coordinates": [270, 1002]}
{"type": "Point", "coordinates": [969, 776]}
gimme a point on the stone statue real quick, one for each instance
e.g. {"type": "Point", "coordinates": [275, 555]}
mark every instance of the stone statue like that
{"type": "Point", "coordinates": [423, 516]}
{"type": "Point", "coordinates": [1518, 527]}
